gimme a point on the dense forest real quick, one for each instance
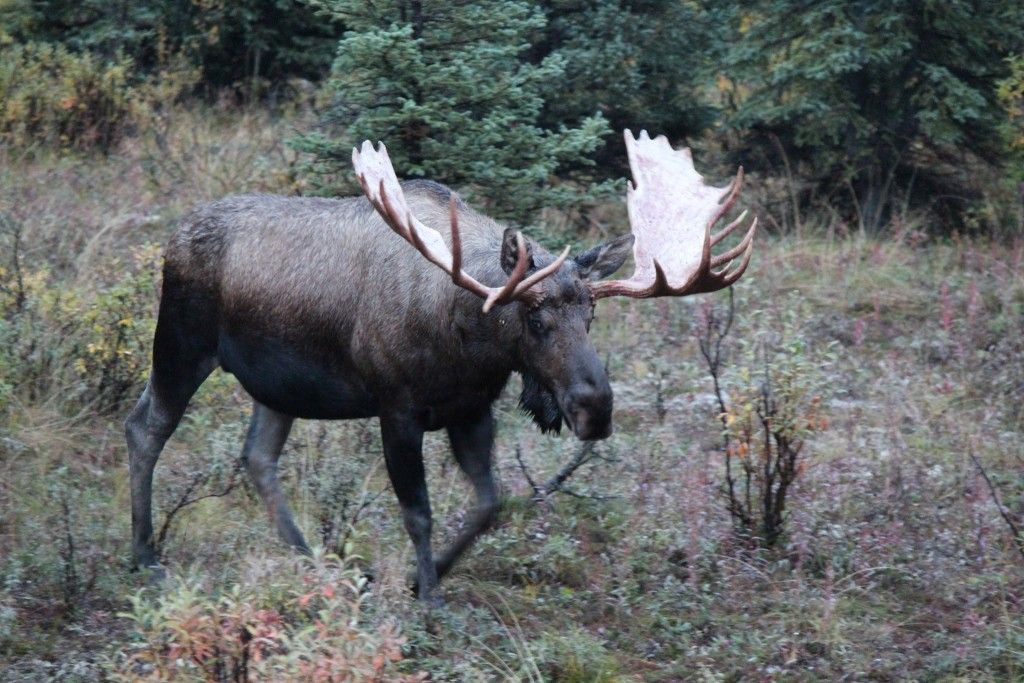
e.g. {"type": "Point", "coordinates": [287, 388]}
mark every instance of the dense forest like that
{"type": "Point", "coordinates": [863, 111]}
{"type": "Point", "coordinates": [816, 475]}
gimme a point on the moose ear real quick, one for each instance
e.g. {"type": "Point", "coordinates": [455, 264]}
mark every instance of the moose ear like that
{"type": "Point", "coordinates": [510, 251]}
{"type": "Point", "coordinates": [604, 259]}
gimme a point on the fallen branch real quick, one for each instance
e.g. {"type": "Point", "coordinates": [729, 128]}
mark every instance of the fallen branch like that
{"type": "Point", "coordinates": [584, 455]}
{"type": "Point", "coordinates": [537, 494]}
{"type": "Point", "coordinates": [556, 484]}
{"type": "Point", "coordinates": [1018, 538]}
{"type": "Point", "coordinates": [184, 500]}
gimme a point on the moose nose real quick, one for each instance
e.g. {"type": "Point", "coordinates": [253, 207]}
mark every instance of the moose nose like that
{"type": "Point", "coordinates": [591, 409]}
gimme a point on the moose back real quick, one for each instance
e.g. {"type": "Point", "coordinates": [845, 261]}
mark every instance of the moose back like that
{"type": "Point", "coordinates": [407, 305]}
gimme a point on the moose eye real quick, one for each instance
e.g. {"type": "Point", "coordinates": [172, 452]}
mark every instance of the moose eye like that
{"type": "Point", "coordinates": [536, 325]}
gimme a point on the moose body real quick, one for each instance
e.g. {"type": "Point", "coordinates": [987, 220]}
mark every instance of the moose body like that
{"type": "Point", "coordinates": [323, 312]}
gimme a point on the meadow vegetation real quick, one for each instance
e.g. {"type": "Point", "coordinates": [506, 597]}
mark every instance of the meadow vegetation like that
{"type": "Point", "coordinates": [816, 475]}
{"type": "Point", "coordinates": [893, 363]}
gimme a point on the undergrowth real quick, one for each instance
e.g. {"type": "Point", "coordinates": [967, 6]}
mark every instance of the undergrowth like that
{"type": "Point", "coordinates": [893, 560]}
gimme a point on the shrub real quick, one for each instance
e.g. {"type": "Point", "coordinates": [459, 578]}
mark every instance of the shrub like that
{"type": "Point", "coordinates": [117, 327]}
{"type": "Point", "coordinates": [53, 96]}
{"type": "Point", "coordinates": [91, 347]}
{"type": "Point", "coordinates": [768, 410]}
{"type": "Point", "coordinates": [1011, 95]}
{"type": "Point", "coordinates": [307, 624]}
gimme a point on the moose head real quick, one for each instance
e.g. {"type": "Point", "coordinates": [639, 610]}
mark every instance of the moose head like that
{"type": "Point", "coordinates": [671, 212]}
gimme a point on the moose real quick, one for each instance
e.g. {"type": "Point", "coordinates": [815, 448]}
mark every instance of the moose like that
{"type": "Point", "coordinates": [371, 307]}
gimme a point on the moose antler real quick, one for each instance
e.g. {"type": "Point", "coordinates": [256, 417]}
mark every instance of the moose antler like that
{"type": "Point", "coordinates": [671, 212]}
{"type": "Point", "coordinates": [380, 185]}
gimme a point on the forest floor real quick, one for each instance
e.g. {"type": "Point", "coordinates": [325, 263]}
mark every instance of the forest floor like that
{"type": "Point", "coordinates": [902, 354]}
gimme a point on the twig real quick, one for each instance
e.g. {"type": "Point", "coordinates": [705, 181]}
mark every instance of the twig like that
{"type": "Point", "coordinates": [1018, 539]}
{"type": "Point", "coordinates": [67, 554]}
{"type": "Point", "coordinates": [184, 501]}
{"type": "Point", "coordinates": [556, 484]}
{"type": "Point", "coordinates": [584, 455]}
{"type": "Point", "coordinates": [537, 493]}
{"type": "Point", "coordinates": [356, 514]}
{"type": "Point", "coordinates": [585, 496]}
{"type": "Point", "coordinates": [710, 343]}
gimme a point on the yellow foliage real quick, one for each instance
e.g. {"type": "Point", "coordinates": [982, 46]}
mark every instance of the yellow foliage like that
{"type": "Point", "coordinates": [100, 337]}
{"type": "Point", "coordinates": [1011, 94]}
{"type": "Point", "coordinates": [53, 96]}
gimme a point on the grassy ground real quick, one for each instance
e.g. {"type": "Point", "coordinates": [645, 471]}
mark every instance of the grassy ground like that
{"type": "Point", "coordinates": [895, 564]}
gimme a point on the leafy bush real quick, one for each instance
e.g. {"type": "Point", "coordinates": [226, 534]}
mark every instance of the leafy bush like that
{"type": "Point", "coordinates": [53, 96]}
{"type": "Point", "coordinates": [1011, 94]}
{"type": "Point", "coordinates": [247, 43]}
{"type": "Point", "coordinates": [118, 325]}
{"type": "Point", "coordinates": [303, 623]}
{"type": "Point", "coordinates": [768, 411]}
{"type": "Point", "coordinates": [50, 95]}
{"type": "Point", "coordinates": [90, 347]}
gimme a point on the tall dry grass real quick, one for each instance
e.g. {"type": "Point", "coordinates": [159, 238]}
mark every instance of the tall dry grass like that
{"type": "Point", "coordinates": [895, 562]}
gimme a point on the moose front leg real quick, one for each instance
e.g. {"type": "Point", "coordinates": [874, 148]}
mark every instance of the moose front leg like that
{"type": "Point", "coordinates": [403, 455]}
{"type": "Point", "coordinates": [473, 445]}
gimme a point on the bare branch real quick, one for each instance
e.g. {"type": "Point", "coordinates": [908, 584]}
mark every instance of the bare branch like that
{"type": "Point", "coordinates": [185, 500]}
{"type": "Point", "coordinates": [537, 493]}
{"type": "Point", "coordinates": [556, 484]}
{"type": "Point", "coordinates": [584, 455]}
{"type": "Point", "coordinates": [1018, 539]}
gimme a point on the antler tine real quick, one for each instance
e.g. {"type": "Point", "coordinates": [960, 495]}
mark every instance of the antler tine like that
{"type": "Point", "coordinates": [729, 255]}
{"type": "Point", "coordinates": [525, 285]}
{"type": "Point", "coordinates": [375, 174]}
{"type": "Point", "coordinates": [724, 232]}
{"type": "Point", "coordinates": [733, 193]}
{"type": "Point", "coordinates": [391, 215]}
{"type": "Point", "coordinates": [453, 221]}
{"type": "Point", "coordinates": [737, 272]}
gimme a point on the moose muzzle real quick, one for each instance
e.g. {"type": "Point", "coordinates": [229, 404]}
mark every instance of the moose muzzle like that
{"type": "Point", "coordinates": [588, 408]}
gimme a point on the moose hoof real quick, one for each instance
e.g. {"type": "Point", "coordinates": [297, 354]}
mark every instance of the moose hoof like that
{"type": "Point", "coordinates": [154, 574]}
{"type": "Point", "coordinates": [431, 600]}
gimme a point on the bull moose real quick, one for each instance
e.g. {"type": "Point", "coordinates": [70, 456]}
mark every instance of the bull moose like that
{"type": "Point", "coordinates": [322, 312]}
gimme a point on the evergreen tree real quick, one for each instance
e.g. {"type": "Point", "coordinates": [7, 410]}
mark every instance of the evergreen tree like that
{"type": "Point", "coordinates": [644, 64]}
{"type": "Point", "coordinates": [448, 87]}
{"type": "Point", "coordinates": [243, 42]}
{"type": "Point", "coordinates": [870, 100]}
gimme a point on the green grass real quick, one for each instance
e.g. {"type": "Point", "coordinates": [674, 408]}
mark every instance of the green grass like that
{"type": "Point", "coordinates": [896, 564]}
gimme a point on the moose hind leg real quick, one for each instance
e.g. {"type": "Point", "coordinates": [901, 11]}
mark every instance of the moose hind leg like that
{"type": "Point", "coordinates": [403, 455]}
{"type": "Point", "coordinates": [268, 430]}
{"type": "Point", "coordinates": [149, 425]}
{"type": "Point", "coordinates": [473, 444]}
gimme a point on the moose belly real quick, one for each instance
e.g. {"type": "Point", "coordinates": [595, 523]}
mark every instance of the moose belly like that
{"type": "Point", "coordinates": [292, 382]}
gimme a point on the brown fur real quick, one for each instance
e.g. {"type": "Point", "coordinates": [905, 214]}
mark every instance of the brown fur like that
{"type": "Point", "coordinates": [322, 311]}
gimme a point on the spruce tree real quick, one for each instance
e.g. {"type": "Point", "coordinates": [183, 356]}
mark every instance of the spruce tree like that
{"type": "Point", "coordinates": [644, 63]}
{"type": "Point", "coordinates": [237, 43]}
{"type": "Point", "coordinates": [877, 104]}
{"type": "Point", "coordinates": [449, 87]}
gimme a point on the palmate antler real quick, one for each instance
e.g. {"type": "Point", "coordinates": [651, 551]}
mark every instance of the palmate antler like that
{"type": "Point", "coordinates": [671, 213]}
{"type": "Point", "coordinates": [380, 185]}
